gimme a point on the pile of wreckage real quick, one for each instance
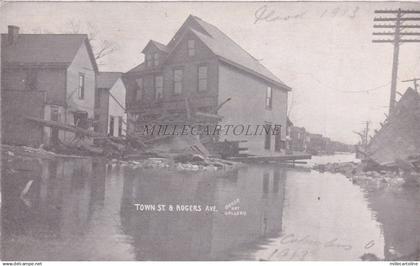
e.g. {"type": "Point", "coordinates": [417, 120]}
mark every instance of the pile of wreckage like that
{"type": "Point", "coordinates": [396, 145]}
{"type": "Point", "coordinates": [203, 150]}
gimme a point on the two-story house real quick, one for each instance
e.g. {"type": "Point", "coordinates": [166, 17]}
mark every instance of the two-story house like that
{"type": "Point", "coordinates": [207, 67]}
{"type": "Point", "coordinates": [62, 67]}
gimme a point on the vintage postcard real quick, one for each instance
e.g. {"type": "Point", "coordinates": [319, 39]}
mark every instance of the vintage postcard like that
{"type": "Point", "coordinates": [210, 131]}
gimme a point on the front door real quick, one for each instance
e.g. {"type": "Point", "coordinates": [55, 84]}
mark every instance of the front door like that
{"type": "Point", "coordinates": [55, 116]}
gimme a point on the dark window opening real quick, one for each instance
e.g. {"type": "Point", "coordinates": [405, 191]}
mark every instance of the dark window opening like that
{"type": "Point", "coordinates": [139, 91]}
{"type": "Point", "coordinates": [81, 119]}
{"type": "Point", "coordinates": [278, 143]}
{"type": "Point", "coordinates": [31, 79]}
{"type": "Point", "coordinates": [111, 125]}
{"type": "Point", "coordinates": [120, 123]}
{"type": "Point", "coordinates": [158, 88]}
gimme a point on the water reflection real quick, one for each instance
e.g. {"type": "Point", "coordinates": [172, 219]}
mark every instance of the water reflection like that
{"type": "Point", "coordinates": [83, 209]}
{"type": "Point", "coordinates": [200, 235]}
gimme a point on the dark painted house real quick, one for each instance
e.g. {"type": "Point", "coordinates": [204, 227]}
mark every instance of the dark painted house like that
{"type": "Point", "coordinates": [203, 64]}
{"type": "Point", "coordinates": [61, 69]}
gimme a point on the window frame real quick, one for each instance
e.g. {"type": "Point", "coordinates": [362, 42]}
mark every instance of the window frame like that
{"type": "Point", "coordinates": [181, 82]}
{"type": "Point", "coordinates": [269, 98]}
{"type": "Point", "coordinates": [111, 125]}
{"type": "Point", "coordinates": [199, 89]}
{"type": "Point", "coordinates": [120, 126]}
{"type": "Point", "coordinates": [81, 86]}
{"type": "Point", "coordinates": [139, 89]}
{"type": "Point", "coordinates": [156, 88]}
{"type": "Point", "coordinates": [149, 60]}
{"type": "Point", "coordinates": [191, 49]}
{"type": "Point", "coordinates": [156, 58]}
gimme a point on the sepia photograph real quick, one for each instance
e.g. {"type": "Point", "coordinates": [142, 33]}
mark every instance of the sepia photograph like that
{"type": "Point", "coordinates": [210, 131]}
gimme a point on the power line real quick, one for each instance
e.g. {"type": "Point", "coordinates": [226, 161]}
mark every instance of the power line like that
{"type": "Point", "coordinates": [398, 20]}
{"type": "Point", "coordinates": [365, 91]}
{"type": "Point", "coordinates": [414, 80]}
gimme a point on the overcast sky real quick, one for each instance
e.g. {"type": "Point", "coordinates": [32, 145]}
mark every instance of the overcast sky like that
{"type": "Point", "coordinates": [322, 50]}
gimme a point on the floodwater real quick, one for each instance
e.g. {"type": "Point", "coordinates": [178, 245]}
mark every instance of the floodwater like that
{"type": "Point", "coordinates": [86, 209]}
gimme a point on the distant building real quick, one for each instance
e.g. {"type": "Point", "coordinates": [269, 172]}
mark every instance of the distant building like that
{"type": "Point", "coordinates": [59, 71]}
{"type": "Point", "coordinates": [315, 144]}
{"type": "Point", "coordinates": [297, 139]}
{"type": "Point", "coordinates": [110, 115]}
{"type": "Point", "coordinates": [205, 66]}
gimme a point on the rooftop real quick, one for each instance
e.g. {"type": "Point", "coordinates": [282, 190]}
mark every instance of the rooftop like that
{"type": "Point", "coordinates": [42, 49]}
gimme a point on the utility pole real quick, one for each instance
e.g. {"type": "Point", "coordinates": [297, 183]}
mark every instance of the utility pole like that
{"type": "Point", "coordinates": [396, 21]}
{"type": "Point", "coordinates": [414, 80]}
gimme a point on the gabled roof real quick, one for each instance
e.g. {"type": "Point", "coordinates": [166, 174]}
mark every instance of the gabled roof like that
{"type": "Point", "coordinates": [158, 45]}
{"type": "Point", "coordinates": [105, 80]}
{"type": "Point", "coordinates": [137, 68]}
{"type": "Point", "coordinates": [44, 49]}
{"type": "Point", "coordinates": [231, 53]}
{"type": "Point", "coordinates": [222, 46]}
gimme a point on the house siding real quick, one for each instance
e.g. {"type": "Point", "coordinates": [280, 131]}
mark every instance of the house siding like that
{"type": "Point", "coordinates": [117, 91]}
{"type": "Point", "coordinates": [199, 101]}
{"type": "Point", "coordinates": [49, 80]}
{"type": "Point", "coordinates": [247, 107]}
{"type": "Point", "coordinates": [81, 64]}
{"type": "Point", "coordinates": [15, 106]}
{"type": "Point", "coordinates": [102, 111]}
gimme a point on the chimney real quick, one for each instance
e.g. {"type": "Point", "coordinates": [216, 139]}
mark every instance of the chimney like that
{"type": "Point", "coordinates": [12, 34]}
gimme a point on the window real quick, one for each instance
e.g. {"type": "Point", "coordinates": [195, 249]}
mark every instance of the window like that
{"type": "Point", "coordinates": [202, 78]}
{"type": "Point", "coordinates": [158, 88]}
{"type": "Point", "coordinates": [96, 123]}
{"type": "Point", "coordinates": [191, 47]}
{"type": "Point", "coordinates": [178, 81]}
{"type": "Point", "coordinates": [111, 125]}
{"type": "Point", "coordinates": [81, 119]}
{"type": "Point", "coordinates": [149, 59]}
{"type": "Point", "coordinates": [81, 90]}
{"type": "Point", "coordinates": [55, 113]}
{"type": "Point", "coordinates": [120, 123]}
{"type": "Point", "coordinates": [269, 98]}
{"type": "Point", "coordinates": [155, 59]}
{"type": "Point", "coordinates": [31, 79]}
{"type": "Point", "coordinates": [139, 91]}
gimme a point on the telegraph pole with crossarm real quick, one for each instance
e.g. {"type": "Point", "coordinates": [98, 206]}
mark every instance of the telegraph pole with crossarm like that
{"type": "Point", "coordinates": [396, 21]}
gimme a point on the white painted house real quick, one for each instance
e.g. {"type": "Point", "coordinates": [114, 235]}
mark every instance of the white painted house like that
{"type": "Point", "coordinates": [110, 115]}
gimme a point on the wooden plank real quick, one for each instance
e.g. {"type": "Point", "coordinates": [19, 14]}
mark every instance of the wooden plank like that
{"type": "Point", "coordinates": [65, 127]}
{"type": "Point", "coordinates": [280, 158]}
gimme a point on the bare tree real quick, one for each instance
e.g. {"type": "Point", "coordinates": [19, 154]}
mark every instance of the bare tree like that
{"type": "Point", "coordinates": [101, 48]}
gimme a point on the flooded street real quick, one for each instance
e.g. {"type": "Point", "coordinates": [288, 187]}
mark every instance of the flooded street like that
{"type": "Point", "coordinates": [86, 209]}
